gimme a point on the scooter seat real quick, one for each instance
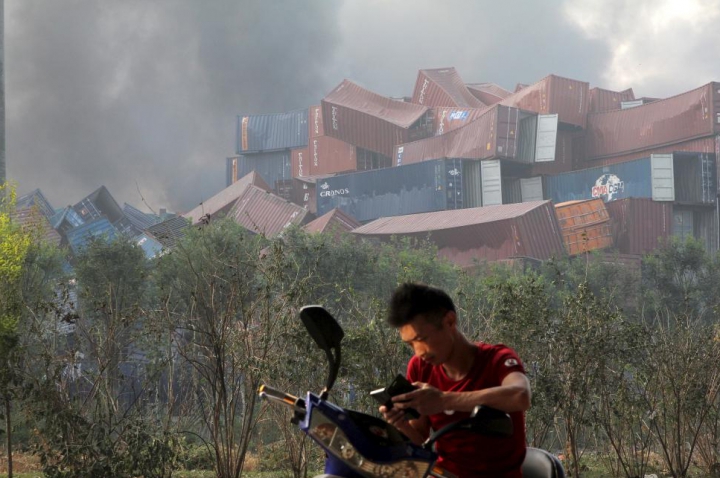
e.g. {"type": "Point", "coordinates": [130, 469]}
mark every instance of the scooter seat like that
{"type": "Point", "coordinates": [541, 464]}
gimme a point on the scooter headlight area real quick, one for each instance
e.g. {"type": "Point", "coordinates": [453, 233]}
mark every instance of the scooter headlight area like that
{"type": "Point", "coordinates": [364, 443]}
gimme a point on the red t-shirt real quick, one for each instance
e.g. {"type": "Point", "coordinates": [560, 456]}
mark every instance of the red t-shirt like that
{"type": "Point", "coordinates": [465, 453]}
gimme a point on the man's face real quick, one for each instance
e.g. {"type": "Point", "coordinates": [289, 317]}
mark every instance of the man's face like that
{"type": "Point", "coordinates": [430, 342]}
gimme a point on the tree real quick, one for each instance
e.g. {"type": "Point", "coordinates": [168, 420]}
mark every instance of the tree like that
{"type": "Point", "coordinates": [14, 245]}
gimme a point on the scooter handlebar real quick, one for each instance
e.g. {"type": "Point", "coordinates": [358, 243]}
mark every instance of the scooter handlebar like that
{"type": "Point", "coordinates": [275, 395]}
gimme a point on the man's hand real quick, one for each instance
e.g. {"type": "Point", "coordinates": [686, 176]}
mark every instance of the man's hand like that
{"type": "Point", "coordinates": [427, 400]}
{"type": "Point", "coordinates": [394, 416]}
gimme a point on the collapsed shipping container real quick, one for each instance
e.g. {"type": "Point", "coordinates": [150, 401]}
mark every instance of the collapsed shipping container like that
{"type": "Point", "coordinates": [334, 222]}
{"type": "Point", "coordinates": [443, 87]}
{"type": "Point", "coordinates": [219, 204]}
{"type": "Point", "coordinates": [708, 144]}
{"type": "Point", "coordinates": [499, 132]}
{"type": "Point", "coordinates": [492, 182]}
{"type": "Point", "coordinates": [446, 119]}
{"type": "Point", "coordinates": [428, 186]}
{"type": "Point", "coordinates": [700, 223]}
{"type": "Point", "coordinates": [567, 98]}
{"type": "Point", "coordinates": [683, 177]}
{"type": "Point", "coordinates": [100, 203]}
{"type": "Point", "coordinates": [684, 117]}
{"type": "Point", "coordinates": [99, 228]}
{"type": "Point", "coordinates": [488, 93]}
{"type": "Point", "coordinates": [475, 235]}
{"type": "Point", "coordinates": [262, 212]}
{"type": "Point", "coordinates": [36, 199]}
{"type": "Point", "coordinates": [272, 132]}
{"type": "Point", "coordinates": [275, 169]}
{"type": "Point", "coordinates": [602, 100]}
{"type": "Point", "coordinates": [360, 117]}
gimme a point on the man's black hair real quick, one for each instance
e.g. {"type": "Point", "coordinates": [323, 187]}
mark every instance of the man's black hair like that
{"type": "Point", "coordinates": [411, 300]}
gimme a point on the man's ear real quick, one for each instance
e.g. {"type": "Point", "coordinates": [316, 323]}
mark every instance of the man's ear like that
{"type": "Point", "coordinates": [450, 318]}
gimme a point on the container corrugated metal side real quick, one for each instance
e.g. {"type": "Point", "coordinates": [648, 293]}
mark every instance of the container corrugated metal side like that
{"type": "Point", "coordinates": [300, 162]}
{"type": "Point", "coordinates": [265, 213]}
{"type": "Point", "coordinates": [327, 155]}
{"type": "Point", "coordinates": [661, 123]}
{"type": "Point", "coordinates": [702, 145]}
{"type": "Point", "coordinates": [696, 222]}
{"type": "Point", "coordinates": [304, 195]}
{"type": "Point", "coordinates": [316, 126]}
{"type": "Point", "coordinates": [272, 132]}
{"type": "Point", "coordinates": [574, 214]}
{"type": "Point", "coordinates": [360, 117]}
{"type": "Point", "coordinates": [443, 87]}
{"type": "Point", "coordinates": [272, 167]}
{"type": "Point", "coordinates": [640, 225]}
{"type": "Point", "coordinates": [368, 195]}
{"type": "Point", "coordinates": [493, 135]}
{"type": "Point", "coordinates": [488, 93]}
{"type": "Point", "coordinates": [631, 179]}
{"type": "Point", "coordinates": [569, 99]}
{"type": "Point", "coordinates": [602, 100]}
{"type": "Point", "coordinates": [98, 228]}
{"type": "Point", "coordinates": [589, 238]}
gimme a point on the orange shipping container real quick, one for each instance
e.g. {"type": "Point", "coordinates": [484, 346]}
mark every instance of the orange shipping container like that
{"type": "Point", "coordinates": [574, 214]}
{"type": "Point", "coordinates": [589, 238]}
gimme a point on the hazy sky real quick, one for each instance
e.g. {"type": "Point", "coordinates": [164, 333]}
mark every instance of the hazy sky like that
{"type": "Point", "coordinates": [143, 94]}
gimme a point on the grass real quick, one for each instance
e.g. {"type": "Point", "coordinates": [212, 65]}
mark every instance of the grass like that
{"type": "Point", "coordinates": [179, 474]}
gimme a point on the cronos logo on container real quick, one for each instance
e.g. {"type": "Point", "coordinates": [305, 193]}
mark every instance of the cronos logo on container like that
{"type": "Point", "coordinates": [328, 193]}
{"type": "Point", "coordinates": [608, 187]}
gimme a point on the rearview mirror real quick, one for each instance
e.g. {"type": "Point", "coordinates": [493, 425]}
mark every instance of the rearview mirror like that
{"type": "Point", "coordinates": [322, 326]}
{"type": "Point", "coordinates": [327, 334]}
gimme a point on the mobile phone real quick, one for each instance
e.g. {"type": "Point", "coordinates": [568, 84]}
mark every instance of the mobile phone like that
{"type": "Point", "coordinates": [398, 386]}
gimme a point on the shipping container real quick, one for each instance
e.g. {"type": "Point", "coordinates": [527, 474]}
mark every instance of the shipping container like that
{"type": "Point", "coordinates": [36, 199]}
{"type": "Point", "coordinates": [33, 221]}
{"type": "Point", "coordinates": [218, 205]}
{"type": "Point", "coordinates": [574, 214]}
{"type": "Point", "coordinates": [602, 100]}
{"type": "Point", "coordinates": [689, 178]}
{"type": "Point", "coordinates": [274, 168]}
{"type": "Point", "coordinates": [567, 98]}
{"type": "Point", "coordinates": [443, 87]}
{"type": "Point", "coordinates": [65, 220]}
{"type": "Point", "coordinates": [566, 144]}
{"type": "Point", "coordinates": [100, 228]}
{"type": "Point", "coordinates": [469, 236]}
{"type": "Point", "coordinates": [141, 220]}
{"type": "Point", "coordinates": [360, 117]}
{"type": "Point", "coordinates": [170, 231]}
{"type": "Point", "coordinates": [303, 192]}
{"type": "Point", "coordinates": [640, 225]}
{"type": "Point", "coordinates": [587, 239]}
{"type": "Point", "coordinates": [495, 134]}
{"type": "Point", "coordinates": [272, 132]}
{"type": "Point", "coordinates": [262, 212]}
{"type": "Point", "coordinates": [334, 222]}
{"type": "Point", "coordinates": [325, 155]}
{"type": "Point", "coordinates": [488, 93]}
{"type": "Point", "coordinates": [367, 160]}
{"type": "Point", "coordinates": [661, 123]}
{"type": "Point", "coordinates": [150, 246]}
{"type": "Point", "coordinates": [700, 223]}
{"type": "Point", "coordinates": [423, 187]}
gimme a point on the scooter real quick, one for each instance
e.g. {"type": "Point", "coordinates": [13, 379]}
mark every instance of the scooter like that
{"type": "Point", "coordinates": [361, 445]}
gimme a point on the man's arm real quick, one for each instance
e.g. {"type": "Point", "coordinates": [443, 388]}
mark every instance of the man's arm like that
{"type": "Point", "coordinates": [416, 430]}
{"type": "Point", "coordinates": [512, 395]}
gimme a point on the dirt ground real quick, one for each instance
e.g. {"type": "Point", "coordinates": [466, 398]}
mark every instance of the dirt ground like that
{"type": "Point", "coordinates": [22, 463]}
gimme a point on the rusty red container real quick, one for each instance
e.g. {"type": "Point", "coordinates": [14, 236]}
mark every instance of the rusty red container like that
{"type": "Point", "coordinates": [688, 116]}
{"type": "Point", "coordinates": [602, 100]}
{"type": "Point", "coordinates": [362, 118]}
{"type": "Point", "coordinates": [569, 99]}
{"type": "Point", "coordinates": [491, 233]}
{"type": "Point", "coordinates": [640, 225]}
{"type": "Point", "coordinates": [315, 122]}
{"type": "Point", "coordinates": [443, 87]}
{"type": "Point", "coordinates": [488, 93]}
{"type": "Point", "coordinates": [494, 134]}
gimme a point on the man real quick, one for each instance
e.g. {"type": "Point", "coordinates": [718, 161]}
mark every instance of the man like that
{"type": "Point", "coordinates": [454, 376]}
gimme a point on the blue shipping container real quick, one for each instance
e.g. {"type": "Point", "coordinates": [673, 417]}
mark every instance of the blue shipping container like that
{"type": "Point", "coordinates": [420, 187]}
{"type": "Point", "coordinates": [619, 181]}
{"type": "Point", "coordinates": [272, 132]}
{"type": "Point", "coordinates": [81, 235]}
{"type": "Point", "coordinates": [272, 167]}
